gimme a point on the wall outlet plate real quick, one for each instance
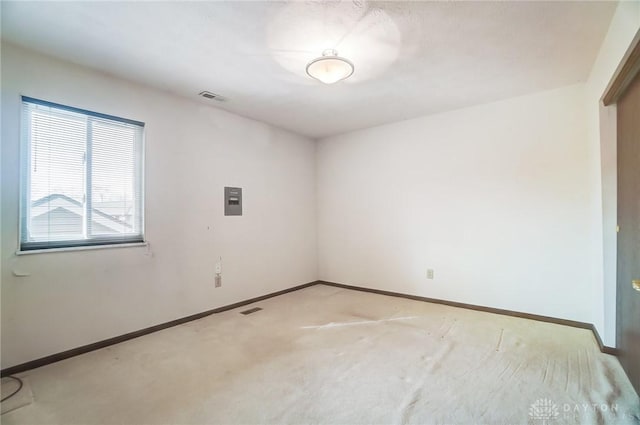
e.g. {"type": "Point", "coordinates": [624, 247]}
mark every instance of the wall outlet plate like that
{"type": "Point", "coordinates": [429, 273]}
{"type": "Point", "coordinates": [218, 281]}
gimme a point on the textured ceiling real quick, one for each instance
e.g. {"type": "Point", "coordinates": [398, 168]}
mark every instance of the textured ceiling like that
{"type": "Point", "coordinates": [411, 58]}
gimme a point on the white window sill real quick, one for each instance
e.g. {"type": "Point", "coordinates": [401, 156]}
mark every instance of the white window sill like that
{"type": "Point", "coordinates": [83, 248]}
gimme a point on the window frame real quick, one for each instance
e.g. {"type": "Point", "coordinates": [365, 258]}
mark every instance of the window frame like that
{"type": "Point", "coordinates": [24, 204]}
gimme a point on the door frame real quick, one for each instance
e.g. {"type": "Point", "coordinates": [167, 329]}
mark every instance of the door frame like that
{"type": "Point", "coordinates": [624, 74]}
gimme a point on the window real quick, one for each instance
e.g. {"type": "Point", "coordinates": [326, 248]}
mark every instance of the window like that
{"type": "Point", "coordinates": [82, 178]}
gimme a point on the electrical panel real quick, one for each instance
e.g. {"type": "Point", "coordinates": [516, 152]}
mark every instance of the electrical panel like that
{"type": "Point", "coordinates": [232, 201]}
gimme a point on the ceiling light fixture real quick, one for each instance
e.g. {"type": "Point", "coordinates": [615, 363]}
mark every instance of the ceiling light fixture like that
{"type": "Point", "coordinates": [330, 68]}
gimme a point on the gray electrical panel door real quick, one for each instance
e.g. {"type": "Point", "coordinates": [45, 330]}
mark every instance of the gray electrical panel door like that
{"type": "Point", "coordinates": [232, 201]}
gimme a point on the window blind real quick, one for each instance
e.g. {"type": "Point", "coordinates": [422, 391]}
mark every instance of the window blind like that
{"type": "Point", "coordinates": [81, 177]}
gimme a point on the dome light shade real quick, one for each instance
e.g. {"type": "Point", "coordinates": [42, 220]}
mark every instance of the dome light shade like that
{"type": "Point", "coordinates": [330, 68]}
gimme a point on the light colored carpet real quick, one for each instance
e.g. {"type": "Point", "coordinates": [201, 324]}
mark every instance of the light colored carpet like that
{"type": "Point", "coordinates": [330, 355]}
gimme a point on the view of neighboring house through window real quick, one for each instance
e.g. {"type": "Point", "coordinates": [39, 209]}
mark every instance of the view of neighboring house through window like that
{"type": "Point", "coordinates": [82, 177]}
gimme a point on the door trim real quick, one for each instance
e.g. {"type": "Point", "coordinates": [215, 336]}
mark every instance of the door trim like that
{"type": "Point", "coordinates": [625, 73]}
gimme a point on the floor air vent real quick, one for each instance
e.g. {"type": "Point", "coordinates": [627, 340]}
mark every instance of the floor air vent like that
{"type": "Point", "coordinates": [251, 310]}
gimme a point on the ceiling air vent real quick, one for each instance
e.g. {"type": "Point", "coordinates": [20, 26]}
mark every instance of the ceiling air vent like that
{"type": "Point", "coordinates": [212, 96]}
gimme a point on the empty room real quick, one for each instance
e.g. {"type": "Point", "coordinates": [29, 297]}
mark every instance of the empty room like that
{"type": "Point", "coordinates": [320, 212]}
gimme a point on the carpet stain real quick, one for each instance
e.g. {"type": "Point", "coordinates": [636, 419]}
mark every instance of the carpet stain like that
{"type": "Point", "coordinates": [359, 323]}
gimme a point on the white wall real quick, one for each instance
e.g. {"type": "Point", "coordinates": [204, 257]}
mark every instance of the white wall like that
{"type": "Point", "coordinates": [192, 152]}
{"type": "Point", "coordinates": [496, 198]}
{"type": "Point", "coordinates": [602, 141]}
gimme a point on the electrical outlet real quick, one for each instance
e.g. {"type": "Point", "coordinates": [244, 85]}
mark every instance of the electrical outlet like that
{"type": "Point", "coordinates": [429, 273]}
{"type": "Point", "coordinates": [218, 281]}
